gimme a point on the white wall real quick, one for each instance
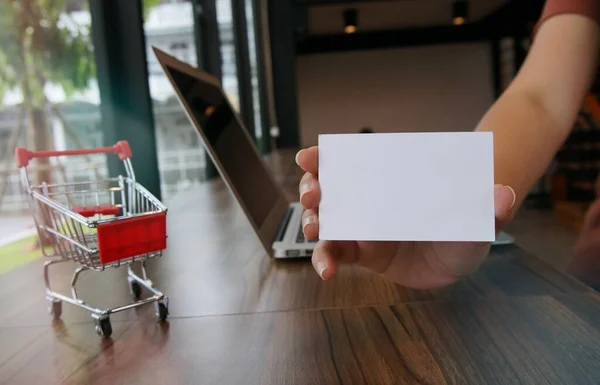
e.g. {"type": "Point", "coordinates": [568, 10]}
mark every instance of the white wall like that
{"type": "Point", "coordinates": [434, 88]}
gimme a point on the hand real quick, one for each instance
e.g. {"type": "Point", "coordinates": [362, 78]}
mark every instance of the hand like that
{"type": "Point", "coordinates": [413, 264]}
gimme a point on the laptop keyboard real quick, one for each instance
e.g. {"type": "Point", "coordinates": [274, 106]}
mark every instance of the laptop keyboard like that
{"type": "Point", "coordinates": [301, 239]}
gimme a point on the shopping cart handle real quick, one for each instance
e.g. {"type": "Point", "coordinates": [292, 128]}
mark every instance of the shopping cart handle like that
{"type": "Point", "coordinates": [23, 155]}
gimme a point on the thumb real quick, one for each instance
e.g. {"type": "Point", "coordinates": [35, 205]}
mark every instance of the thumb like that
{"type": "Point", "coordinates": [504, 201]}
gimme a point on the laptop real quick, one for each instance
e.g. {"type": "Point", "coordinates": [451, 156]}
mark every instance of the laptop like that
{"type": "Point", "coordinates": [276, 221]}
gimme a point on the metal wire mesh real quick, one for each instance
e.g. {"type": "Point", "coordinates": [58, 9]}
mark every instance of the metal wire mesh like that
{"type": "Point", "coordinates": [72, 236]}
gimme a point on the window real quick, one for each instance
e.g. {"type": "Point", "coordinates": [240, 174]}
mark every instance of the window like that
{"type": "Point", "coordinates": [170, 27]}
{"type": "Point", "coordinates": [181, 51]}
{"type": "Point", "coordinates": [230, 80]}
{"type": "Point", "coordinates": [252, 49]}
{"type": "Point", "coordinates": [57, 103]}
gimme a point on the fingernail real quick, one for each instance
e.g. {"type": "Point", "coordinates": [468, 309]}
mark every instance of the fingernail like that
{"type": "Point", "coordinates": [297, 155]}
{"type": "Point", "coordinates": [304, 188]}
{"type": "Point", "coordinates": [308, 220]}
{"type": "Point", "coordinates": [321, 267]}
{"type": "Point", "coordinates": [514, 196]}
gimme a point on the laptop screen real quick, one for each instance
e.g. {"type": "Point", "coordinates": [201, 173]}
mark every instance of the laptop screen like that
{"type": "Point", "coordinates": [233, 148]}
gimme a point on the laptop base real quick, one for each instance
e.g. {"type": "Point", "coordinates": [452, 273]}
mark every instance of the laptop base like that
{"type": "Point", "coordinates": [290, 242]}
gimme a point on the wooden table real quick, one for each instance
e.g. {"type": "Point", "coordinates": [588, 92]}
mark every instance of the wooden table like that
{"type": "Point", "coordinates": [238, 317]}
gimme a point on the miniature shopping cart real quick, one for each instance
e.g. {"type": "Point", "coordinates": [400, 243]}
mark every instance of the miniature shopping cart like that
{"type": "Point", "coordinates": [110, 222]}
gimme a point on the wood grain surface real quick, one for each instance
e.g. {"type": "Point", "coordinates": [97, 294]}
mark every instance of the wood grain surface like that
{"type": "Point", "coordinates": [237, 317]}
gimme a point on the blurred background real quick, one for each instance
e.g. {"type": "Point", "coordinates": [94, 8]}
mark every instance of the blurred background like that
{"type": "Point", "coordinates": [81, 73]}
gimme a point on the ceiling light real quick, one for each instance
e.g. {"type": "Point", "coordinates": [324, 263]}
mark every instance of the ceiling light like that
{"type": "Point", "coordinates": [460, 12]}
{"type": "Point", "coordinates": [350, 20]}
{"type": "Point", "coordinates": [350, 29]}
{"type": "Point", "coordinates": [458, 20]}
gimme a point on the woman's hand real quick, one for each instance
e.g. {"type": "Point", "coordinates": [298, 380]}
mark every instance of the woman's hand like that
{"type": "Point", "coordinates": [412, 264]}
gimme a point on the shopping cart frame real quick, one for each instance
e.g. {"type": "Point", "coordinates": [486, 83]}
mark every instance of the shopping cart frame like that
{"type": "Point", "coordinates": [76, 237]}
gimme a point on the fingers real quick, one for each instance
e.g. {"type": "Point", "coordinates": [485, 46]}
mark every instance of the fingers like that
{"type": "Point", "coordinates": [323, 259]}
{"type": "Point", "coordinates": [310, 224]}
{"type": "Point", "coordinates": [504, 201]}
{"type": "Point", "coordinates": [308, 159]}
{"type": "Point", "coordinates": [328, 254]}
{"type": "Point", "coordinates": [310, 191]}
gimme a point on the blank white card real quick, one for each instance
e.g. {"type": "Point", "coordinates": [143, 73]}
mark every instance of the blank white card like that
{"type": "Point", "coordinates": [407, 187]}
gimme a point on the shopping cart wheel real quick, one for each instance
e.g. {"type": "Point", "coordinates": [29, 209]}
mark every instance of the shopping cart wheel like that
{"type": "Point", "coordinates": [55, 309]}
{"type": "Point", "coordinates": [162, 310]}
{"type": "Point", "coordinates": [135, 288]}
{"type": "Point", "coordinates": [103, 327]}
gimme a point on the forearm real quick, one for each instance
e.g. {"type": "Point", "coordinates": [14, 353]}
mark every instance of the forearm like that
{"type": "Point", "coordinates": [526, 138]}
{"type": "Point", "coordinates": [536, 113]}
